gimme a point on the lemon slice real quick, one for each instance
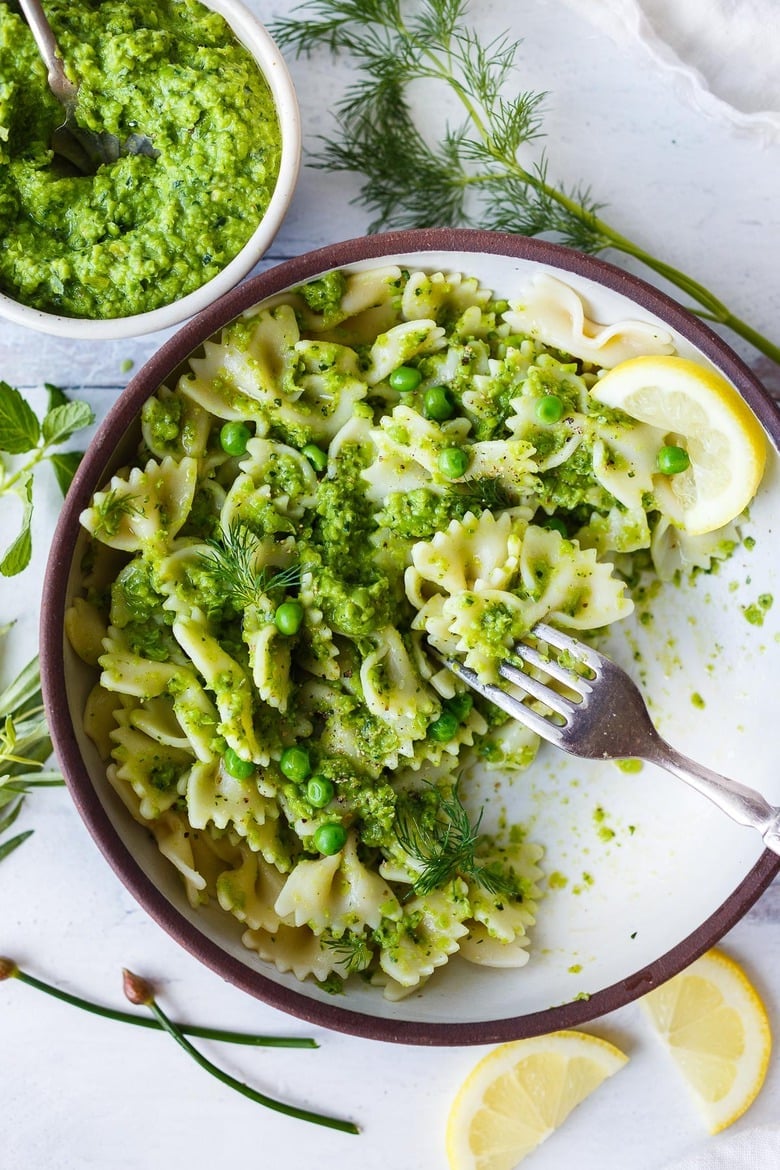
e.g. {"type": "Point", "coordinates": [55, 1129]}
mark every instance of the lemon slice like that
{"type": "Point", "coordinates": [699, 410]}
{"type": "Point", "coordinates": [520, 1093]}
{"type": "Point", "coordinates": [716, 1028]}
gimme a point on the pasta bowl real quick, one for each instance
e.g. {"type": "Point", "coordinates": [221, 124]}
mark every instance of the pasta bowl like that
{"type": "Point", "coordinates": [280, 781]}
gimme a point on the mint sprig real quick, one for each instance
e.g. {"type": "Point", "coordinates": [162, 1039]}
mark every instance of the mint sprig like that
{"type": "Point", "coordinates": [23, 433]}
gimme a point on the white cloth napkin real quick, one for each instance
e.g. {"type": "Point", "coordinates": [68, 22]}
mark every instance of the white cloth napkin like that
{"type": "Point", "coordinates": [748, 1149]}
{"type": "Point", "coordinates": [723, 55]}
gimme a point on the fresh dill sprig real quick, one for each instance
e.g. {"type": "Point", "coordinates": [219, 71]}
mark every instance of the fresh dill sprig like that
{"type": "Point", "coordinates": [446, 848]}
{"type": "Point", "coordinates": [485, 171]}
{"type": "Point", "coordinates": [231, 563]}
{"type": "Point", "coordinates": [483, 492]}
{"type": "Point", "coordinates": [350, 950]}
{"type": "Point", "coordinates": [111, 509]}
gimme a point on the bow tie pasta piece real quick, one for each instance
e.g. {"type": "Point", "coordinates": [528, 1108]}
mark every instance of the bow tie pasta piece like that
{"type": "Point", "coordinates": [393, 689]}
{"type": "Point", "coordinates": [427, 933]}
{"type": "Point", "coordinates": [673, 550]}
{"type": "Point", "coordinates": [271, 474]}
{"type": "Point", "coordinates": [437, 296]}
{"type": "Point", "coordinates": [229, 684]}
{"type": "Point", "coordinates": [399, 345]}
{"type": "Point", "coordinates": [239, 377]}
{"type": "Point", "coordinates": [336, 893]}
{"type": "Point", "coordinates": [130, 674]}
{"type": "Point", "coordinates": [152, 770]}
{"type": "Point", "coordinates": [478, 552]}
{"type": "Point", "coordinates": [365, 301]}
{"type": "Point", "coordinates": [498, 936]}
{"type": "Point", "coordinates": [293, 948]}
{"type": "Point", "coordinates": [146, 509]}
{"type": "Point", "coordinates": [246, 807]}
{"type": "Point", "coordinates": [249, 891]}
{"type": "Point", "coordinates": [555, 313]}
{"type": "Point", "coordinates": [175, 425]}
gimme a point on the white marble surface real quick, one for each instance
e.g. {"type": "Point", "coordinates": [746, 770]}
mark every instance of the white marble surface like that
{"type": "Point", "coordinates": [78, 1092]}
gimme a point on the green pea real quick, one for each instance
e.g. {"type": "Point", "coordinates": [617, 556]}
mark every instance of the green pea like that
{"type": "Point", "coordinates": [288, 618]}
{"type": "Point", "coordinates": [234, 437]}
{"type": "Point", "coordinates": [445, 727]}
{"type": "Point", "coordinates": [549, 409]}
{"type": "Point", "coordinates": [438, 404]}
{"type": "Point", "coordinates": [316, 456]}
{"type": "Point", "coordinates": [453, 462]}
{"type": "Point", "coordinates": [672, 460]}
{"type": "Point", "coordinates": [235, 766]}
{"type": "Point", "coordinates": [295, 763]}
{"type": "Point", "coordinates": [319, 791]}
{"type": "Point", "coordinates": [405, 379]}
{"type": "Point", "coordinates": [557, 525]}
{"type": "Point", "coordinates": [460, 705]}
{"type": "Point", "coordinates": [330, 838]}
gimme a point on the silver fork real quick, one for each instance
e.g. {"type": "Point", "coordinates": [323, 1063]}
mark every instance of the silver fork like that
{"type": "Point", "coordinates": [606, 719]}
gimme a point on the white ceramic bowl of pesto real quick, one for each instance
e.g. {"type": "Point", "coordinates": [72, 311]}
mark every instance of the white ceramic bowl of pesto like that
{"type": "Point", "coordinates": [642, 874]}
{"type": "Point", "coordinates": [253, 36]}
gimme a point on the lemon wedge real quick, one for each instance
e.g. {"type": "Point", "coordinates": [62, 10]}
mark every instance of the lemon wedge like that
{"type": "Point", "coordinates": [519, 1093]}
{"type": "Point", "coordinates": [716, 1028]}
{"type": "Point", "coordinates": [696, 408]}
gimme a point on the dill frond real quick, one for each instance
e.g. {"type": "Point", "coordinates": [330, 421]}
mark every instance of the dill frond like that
{"type": "Point", "coordinates": [446, 847]}
{"type": "Point", "coordinates": [484, 172]}
{"type": "Point", "coordinates": [482, 493]}
{"type": "Point", "coordinates": [351, 951]}
{"type": "Point", "coordinates": [230, 562]}
{"type": "Point", "coordinates": [112, 508]}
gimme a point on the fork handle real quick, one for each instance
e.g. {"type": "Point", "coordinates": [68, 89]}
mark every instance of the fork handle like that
{"type": "Point", "coordinates": [743, 804]}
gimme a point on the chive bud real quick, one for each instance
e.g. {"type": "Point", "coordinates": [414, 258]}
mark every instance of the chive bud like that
{"type": "Point", "coordinates": [136, 989]}
{"type": "Point", "coordinates": [8, 968]}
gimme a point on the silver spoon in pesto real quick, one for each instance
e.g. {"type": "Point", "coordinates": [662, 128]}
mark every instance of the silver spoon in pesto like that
{"type": "Point", "coordinates": [86, 150]}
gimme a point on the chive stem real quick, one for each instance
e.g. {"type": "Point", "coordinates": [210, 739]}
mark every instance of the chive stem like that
{"type": "Point", "coordinates": [279, 1106]}
{"type": "Point", "coordinates": [108, 1013]}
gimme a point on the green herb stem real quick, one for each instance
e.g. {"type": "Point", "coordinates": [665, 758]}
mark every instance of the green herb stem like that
{"type": "Point", "coordinates": [226, 1079]}
{"type": "Point", "coordinates": [380, 140]}
{"type": "Point", "coordinates": [108, 1013]}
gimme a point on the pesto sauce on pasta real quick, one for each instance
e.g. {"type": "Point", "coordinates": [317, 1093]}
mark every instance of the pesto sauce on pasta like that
{"type": "Point", "coordinates": [381, 551]}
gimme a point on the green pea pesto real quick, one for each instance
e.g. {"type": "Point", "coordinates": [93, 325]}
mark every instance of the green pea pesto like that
{"type": "Point", "coordinates": [324, 295]}
{"type": "Point", "coordinates": [142, 231]}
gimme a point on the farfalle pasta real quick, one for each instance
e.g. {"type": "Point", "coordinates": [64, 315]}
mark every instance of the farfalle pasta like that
{"type": "Point", "coordinates": [368, 469]}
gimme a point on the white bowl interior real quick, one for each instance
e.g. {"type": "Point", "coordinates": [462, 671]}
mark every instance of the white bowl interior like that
{"type": "Point", "coordinates": [639, 860]}
{"type": "Point", "coordinates": [252, 34]}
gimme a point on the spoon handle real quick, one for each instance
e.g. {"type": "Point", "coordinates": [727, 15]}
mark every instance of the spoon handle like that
{"type": "Point", "coordinates": [60, 85]}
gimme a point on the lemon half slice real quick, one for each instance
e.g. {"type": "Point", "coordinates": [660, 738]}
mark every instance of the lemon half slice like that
{"type": "Point", "coordinates": [520, 1093]}
{"type": "Point", "coordinates": [716, 1028]}
{"type": "Point", "coordinates": [695, 408]}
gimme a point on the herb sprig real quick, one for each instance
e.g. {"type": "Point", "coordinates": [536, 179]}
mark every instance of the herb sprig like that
{"type": "Point", "coordinates": [446, 847]}
{"type": "Point", "coordinates": [479, 173]}
{"type": "Point", "coordinates": [231, 562]}
{"type": "Point", "coordinates": [25, 746]}
{"type": "Point", "coordinates": [22, 433]}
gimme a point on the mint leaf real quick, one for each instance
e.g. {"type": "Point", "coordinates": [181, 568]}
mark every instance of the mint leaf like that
{"type": "Point", "coordinates": [57, 397]}
{"type": "Point", "coordinates": [17, 555]}
{"type": "Point", "coordinates": [19, 426]}
{"type": "Point", "coordinates": [61, 421]}
{"type": "Point", "coordinates": [65, 464]}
